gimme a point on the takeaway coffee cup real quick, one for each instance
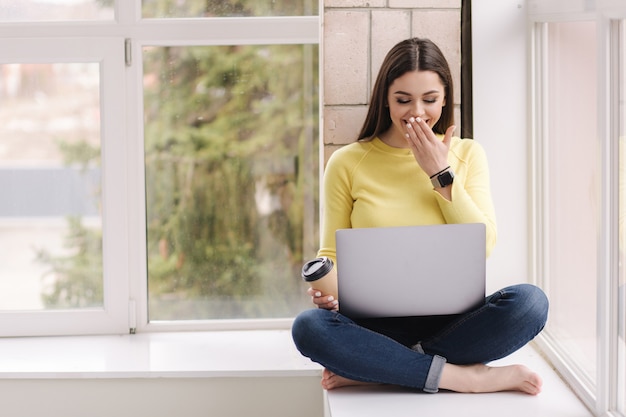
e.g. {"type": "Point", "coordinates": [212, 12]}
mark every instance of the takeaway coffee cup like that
{"type": "Point", "coordinates": [321, 275]}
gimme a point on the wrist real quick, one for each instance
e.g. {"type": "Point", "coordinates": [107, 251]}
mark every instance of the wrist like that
{"type": "Point", "coordinates": [443, 178]}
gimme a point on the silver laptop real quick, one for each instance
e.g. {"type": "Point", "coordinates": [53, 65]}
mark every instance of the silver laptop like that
{"type": "Point", "coordinates": [411, 270]}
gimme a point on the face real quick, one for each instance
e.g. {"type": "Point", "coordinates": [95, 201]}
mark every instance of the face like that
{"type": "Point", "coordinates": [415, 94]}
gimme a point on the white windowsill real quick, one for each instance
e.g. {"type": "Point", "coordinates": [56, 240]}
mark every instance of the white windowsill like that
{"type": "Point", "coordinates": [556, 399]}
{"type": "Point", "coordinates": [260, 353]}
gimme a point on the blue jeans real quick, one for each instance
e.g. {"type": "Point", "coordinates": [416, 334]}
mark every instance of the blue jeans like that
{"type": "Point", "coordinates": [411, 351]}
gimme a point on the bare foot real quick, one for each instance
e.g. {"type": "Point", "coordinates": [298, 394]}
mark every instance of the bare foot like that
{"type": "Point", "coordinates": [330, 381]}
{"type": "Point", "coordinates": [482, 378]}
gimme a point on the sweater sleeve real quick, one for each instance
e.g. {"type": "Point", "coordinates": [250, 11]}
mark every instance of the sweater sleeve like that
{"type": "Point", "coordinates": [337, 204]}
{"type": "Point", "coordinates": [471, 198]}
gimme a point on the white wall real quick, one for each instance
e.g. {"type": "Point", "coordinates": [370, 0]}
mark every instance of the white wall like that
{"type": "Point", "coordinates": [500, 125]}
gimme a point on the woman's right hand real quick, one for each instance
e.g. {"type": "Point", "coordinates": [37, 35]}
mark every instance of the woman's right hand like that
{"type": "Point", "coordinates": [327, 302]}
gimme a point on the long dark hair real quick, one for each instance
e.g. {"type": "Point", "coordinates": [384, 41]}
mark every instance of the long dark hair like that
{"type": "Point", "coordinates": [415, 54]}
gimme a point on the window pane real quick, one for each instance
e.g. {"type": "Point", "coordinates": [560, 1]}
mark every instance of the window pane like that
{"type": "Point", "coordinates": [231, 151]}
{"type": "Point", "coordinates": [50, 223]}
{"type": "Point", "coordinates": [55, 10]}
{"type": "Point", "coordinates": [621, 388]}
{"type": "Point", "coordinates": [227, 8]}
{"type": "Point", "coordinates": [573, 193]}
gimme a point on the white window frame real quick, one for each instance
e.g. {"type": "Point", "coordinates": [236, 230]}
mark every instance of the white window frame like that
{"type": "Point", "coordinates": [113, 316]}
{"type": "Point", "coordinates": [603, 399]}
{"type": "Point", "coordinates": [124, 224]}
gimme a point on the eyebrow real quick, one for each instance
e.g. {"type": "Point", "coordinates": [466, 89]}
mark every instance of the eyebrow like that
{"type": "Point", "coordinates": [425, 94]}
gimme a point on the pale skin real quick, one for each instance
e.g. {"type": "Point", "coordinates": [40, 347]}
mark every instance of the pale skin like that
{"type": "Point", "coordinates": [415, 102]}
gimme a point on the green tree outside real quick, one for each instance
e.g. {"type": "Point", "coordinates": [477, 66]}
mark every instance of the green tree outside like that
{"type": "Point", "coordinates": [226, 131]}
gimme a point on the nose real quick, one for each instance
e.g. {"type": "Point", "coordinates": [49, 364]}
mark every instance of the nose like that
{"type": "Point", "coordinates": [417, 109]}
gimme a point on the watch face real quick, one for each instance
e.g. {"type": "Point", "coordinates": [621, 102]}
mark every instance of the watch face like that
{"type": "Point", "coordinates": [446, 178]}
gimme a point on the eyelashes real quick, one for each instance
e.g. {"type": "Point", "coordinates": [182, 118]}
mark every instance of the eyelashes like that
{"type": "Point", "coordinates": [404, 101]}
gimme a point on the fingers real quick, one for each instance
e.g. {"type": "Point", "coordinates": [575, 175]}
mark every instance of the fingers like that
{"type": "Point", "coordinates": [415, 133]}
{"type": "Point", "coordinates": [430, 152]}
{"type": "Point", "coordinates": [420, 134]}
{"type": "Point", "coordinates": [417, 128]}
{"type": "Point", "coordinates": [448, 136]}
{"type": "Point", "coordinates": [327, 302]}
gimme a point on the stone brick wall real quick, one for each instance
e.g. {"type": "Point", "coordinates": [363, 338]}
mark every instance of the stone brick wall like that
{"type": "Point", "coordinates": [358, 34]}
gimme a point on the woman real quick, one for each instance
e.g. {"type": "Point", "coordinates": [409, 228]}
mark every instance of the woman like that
{"type": "Point", "coordinates": [406, 168]}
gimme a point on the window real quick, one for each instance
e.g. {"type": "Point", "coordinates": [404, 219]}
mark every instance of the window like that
{"type": "Point", "coordinates": [570, 228]}
{"type": "Point", "coordinates": [55, 10]}
{"type": "Point", "coordinates": [221, 8]}
{"type": "Point", "coordinates": [61, 222]}
{"type": "Point", "coordinates": [230, 142]}
{"type": "Point", "coordinates": [619, 75]}
{"type": "Point", "coordinates": [578, 130]}
{"type": "Point", "coordinates": [172, 175]}
{"type": "Point", "coordinates": [51, 186]}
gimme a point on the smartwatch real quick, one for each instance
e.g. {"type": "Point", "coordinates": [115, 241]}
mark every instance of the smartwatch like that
{"type": "Point", "coordinates": [443, 179]}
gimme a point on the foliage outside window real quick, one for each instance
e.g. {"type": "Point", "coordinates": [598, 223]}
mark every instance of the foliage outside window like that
{"type": "Point", "coordinates": [50, 216]}
{"type": "Point", "coordinates": [231, 183]}
{"type": "Point", "coordinates": [231, 179]}
{"type": "Point", "coordinates": [228, 8]}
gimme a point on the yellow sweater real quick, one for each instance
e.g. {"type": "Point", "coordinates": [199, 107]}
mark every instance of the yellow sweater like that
{"type": "Point", "coordinates": [371, 184]}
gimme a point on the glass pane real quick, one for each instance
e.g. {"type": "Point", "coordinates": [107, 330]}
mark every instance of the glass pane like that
{"type": "Point", "coordinates": [55, 10]}
{"type": "Point", "coordinates": [50, 221]}
{"type": "Point", "coordinates": [573, 193]}
{"type": "Point", "coordinates": [227, 8]}
{"type": "Point", "coordinates": [231, 151]}
{"type": "Point", "coordinates": [621, 349]}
